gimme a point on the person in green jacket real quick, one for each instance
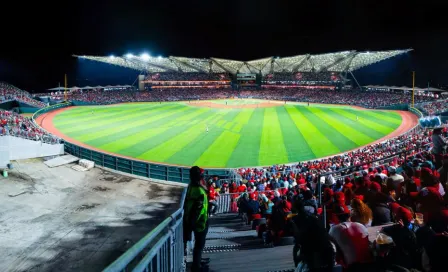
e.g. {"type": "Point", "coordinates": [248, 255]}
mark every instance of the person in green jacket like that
{"type": "Point", "coordinates": [196, 214]}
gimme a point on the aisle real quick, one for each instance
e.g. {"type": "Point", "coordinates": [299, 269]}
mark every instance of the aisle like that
{"type": "Point", "coordinates": [233, 246]}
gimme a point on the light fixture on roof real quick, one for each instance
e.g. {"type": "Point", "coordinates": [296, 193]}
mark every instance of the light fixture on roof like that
{"type": "Point", "coordinates": [111, 56]}
{"type": "Point", "coordinates": [129, 56]}
{"type": "Point", "coordinates": [159, 57]}
{"type": "Point", "coordinates": [145, 56]}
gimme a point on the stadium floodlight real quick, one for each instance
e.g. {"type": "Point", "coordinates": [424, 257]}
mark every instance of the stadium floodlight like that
{"type": "Point", "coordinates": [111, 56]}
{"type": "Point", "coordinates": [159, 57]}
{"type": "Point", "coordinates": [145, 56]}
{"type": "Point", "coordinates": [129, 56]}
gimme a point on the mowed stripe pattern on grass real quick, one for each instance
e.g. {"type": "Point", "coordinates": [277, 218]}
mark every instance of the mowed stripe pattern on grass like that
{"type": "Point", "coordinates": [176, 133]}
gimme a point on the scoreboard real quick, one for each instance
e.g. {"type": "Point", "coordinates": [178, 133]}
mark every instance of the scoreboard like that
{"type": "Point", "coordinates": [248, 80]}
{"type": "Point", "coordinates": [246, 77]}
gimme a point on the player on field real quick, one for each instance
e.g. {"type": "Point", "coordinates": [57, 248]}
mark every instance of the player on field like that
{"type": "Point", "coordinates": [206, 128]}
{"type": "Point", "coordinates": [357, 118]}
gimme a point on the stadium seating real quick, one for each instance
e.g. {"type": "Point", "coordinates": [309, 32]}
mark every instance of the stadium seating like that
{"type": "Point", "coordinates": [9, 92]}
{"type": "Point", "coordinates": [408, 209]}
{"type": "Point", "coordinates": [435, 107]}
{"type": "Point", "coordinates": [302, 77]}
{"type": "Point", "coordinates": [17, 125]}
{"type": "Point", "coordinates": [187, 76]}
{"type": "Point", "coordinates": [358, 98]}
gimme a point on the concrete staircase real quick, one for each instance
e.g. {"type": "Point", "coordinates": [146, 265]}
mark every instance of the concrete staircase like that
{"type": "Point", "coordinates": [233, 246]}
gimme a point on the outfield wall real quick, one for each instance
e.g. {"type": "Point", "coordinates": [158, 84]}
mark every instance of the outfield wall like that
{"type": "Point", "coordinates": [134, 166]}
{"type": "Point", "coordinates": [130, 166]}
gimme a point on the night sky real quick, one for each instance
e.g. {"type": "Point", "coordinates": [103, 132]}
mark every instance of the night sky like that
{"type": "Point", "coordinates": [38, 39]}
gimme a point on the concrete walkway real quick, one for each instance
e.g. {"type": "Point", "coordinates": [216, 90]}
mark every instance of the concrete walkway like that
{"type": "Point", "coordinates": [58, 219]}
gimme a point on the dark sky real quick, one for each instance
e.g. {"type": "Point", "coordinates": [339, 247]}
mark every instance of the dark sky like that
{"type": "Point", "coordinates": [38, 39]}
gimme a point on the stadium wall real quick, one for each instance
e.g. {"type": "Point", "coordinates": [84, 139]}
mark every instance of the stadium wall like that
{"type": "Point", "coordinates": [15, 148]}
{"type": "Point", "coordinates": [8, 105]}
{"type": "Point", "coordinates": [402, 107]}
{"type": "Point", "coordinates": [82, 103]}
{"type": "Point", "coordinates": [27, 109]}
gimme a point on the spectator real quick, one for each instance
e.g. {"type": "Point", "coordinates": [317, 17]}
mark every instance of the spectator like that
{"type": "Point", "coordinates": [352, 240]}
{"type": "Point", "coordinates": [439, 146]}
{"type": "Point", "coordinates": [266, 206]}
{"type": "Point", "coordinates": [196, 214]}
{"type": "Point", "coordinates": [212, 195]}
{"type": "Point", "coordinates": [313, 250]}
{"type": "Point", "coordinates": [406, 252]}
{"type": "Point", "coordinates": [361, 213]}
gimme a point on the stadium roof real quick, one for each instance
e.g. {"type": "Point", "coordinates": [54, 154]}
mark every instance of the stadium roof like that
{"type": "Point", "coordinates": [89, 87]}
{"type": "Point", "coordinates": [345, 61]}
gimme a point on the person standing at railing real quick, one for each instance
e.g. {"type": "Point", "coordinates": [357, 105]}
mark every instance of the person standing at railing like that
{"type": "Point", "coordinates": [439, 146]}
{"type": "Point", "coordinates": [212, 203]}
{"type": "Point", "coordinates": [196, 215]}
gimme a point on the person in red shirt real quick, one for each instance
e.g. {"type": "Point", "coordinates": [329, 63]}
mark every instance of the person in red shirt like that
{"type": "Point", "coordinates": [242, 188]}
{"type": "Point", "coordinates": [212, 203]}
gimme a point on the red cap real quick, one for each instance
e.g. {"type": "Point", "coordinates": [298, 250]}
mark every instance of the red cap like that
{"type": "Point", "coordinates": [328, 191]}
{"type": "Point", "coordinates": [251, 196]}
{"type": "Point", "coordinates": [404, 214]}
{"type": "Point", "coordinates": [339, 197]}
{"type": "Point", "coordinates": [394, 207]}
{"type": "Point", "coordinates": [375, 186]}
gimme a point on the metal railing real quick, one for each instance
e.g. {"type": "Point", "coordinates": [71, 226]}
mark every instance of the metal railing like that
{"type": "Point", "coordinates": [16, 132]}
{"type": "Point", "coordinates": [164, 247]}
{"type": "Point", "coordinates": [416, 111]}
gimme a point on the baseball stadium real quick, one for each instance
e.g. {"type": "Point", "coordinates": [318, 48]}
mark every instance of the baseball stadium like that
{"type": "Point", "coordinates": [283, 151]}
{"type": "Point", "coordinates": [232, 125]}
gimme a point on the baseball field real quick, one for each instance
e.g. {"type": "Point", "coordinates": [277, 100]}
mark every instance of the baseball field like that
{"type": "Point", "coordinates": [226, 133]}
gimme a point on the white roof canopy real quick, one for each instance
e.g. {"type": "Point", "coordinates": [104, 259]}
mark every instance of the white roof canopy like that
{"type": "Point", "coordinates": [332, 62]}
{"type": "Point", "coordinates": [88, 87]}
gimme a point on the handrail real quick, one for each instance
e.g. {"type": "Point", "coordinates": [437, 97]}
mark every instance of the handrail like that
{"type": "Point", "coordinates": [416, 111]}
{"type": "Point", "coordinates": [124, 260]}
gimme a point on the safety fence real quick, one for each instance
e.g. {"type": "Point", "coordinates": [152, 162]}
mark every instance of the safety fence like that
{"type": "Point", "coordinates": [416, 112]}
{"type": "Point", "coordinates": [29, 135]}
{"type": "Point", "coordinates": [160, 250]}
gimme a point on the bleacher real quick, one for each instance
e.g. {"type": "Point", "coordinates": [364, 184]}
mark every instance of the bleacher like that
{"type": "Point", "coordinates": [9, 92]}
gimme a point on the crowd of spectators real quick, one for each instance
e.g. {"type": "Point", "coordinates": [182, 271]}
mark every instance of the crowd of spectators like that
{"type": "Point", "coordinates": [156, 95]}
{"type": "Point", "coordinates": [301, 77]}
{"type": "Point", "coordinates": [365, 99]}
{"type": "Point", "coordinates": [166, 76]}
{"type": "Point", "coordinates": [9, 92]}
{"type": "Point", "coordinates": [435, 107]}
{"type": "Point", "coordinates": [405, 198]}
{"type": "Point", "coordinates": [406, 144]}
{"type": "Point", "coordinates": [17, 125]}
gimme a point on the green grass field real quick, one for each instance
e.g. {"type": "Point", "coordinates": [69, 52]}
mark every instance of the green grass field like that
{"type": "Point", "coordinates": [175, 133]}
